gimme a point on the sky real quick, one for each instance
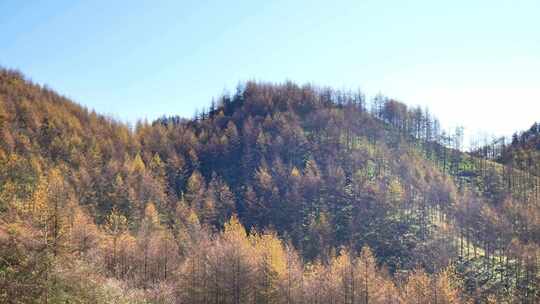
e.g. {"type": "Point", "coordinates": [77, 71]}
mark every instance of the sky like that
{"type": "Point", "coordinates": [474, 63]}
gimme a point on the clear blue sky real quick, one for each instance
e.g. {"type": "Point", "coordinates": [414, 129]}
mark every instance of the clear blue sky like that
{"type": "Point", "coordinates": [142, 59]}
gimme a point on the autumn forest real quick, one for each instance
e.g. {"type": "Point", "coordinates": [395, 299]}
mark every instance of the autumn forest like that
{"type": "Point", "coordinates": [276, 193]}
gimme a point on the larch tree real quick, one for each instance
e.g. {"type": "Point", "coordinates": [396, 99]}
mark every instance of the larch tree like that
{"type": "Point", "coordinates": [83, 233]}
{"type": "Point", "coordinates": [115, 226]}
{"type": "Point", "coordinates": [150, 225]}
{"type": "Point", "coordinates": [238, 262]}
{"type": "Point", "coordinates": [270, 267]}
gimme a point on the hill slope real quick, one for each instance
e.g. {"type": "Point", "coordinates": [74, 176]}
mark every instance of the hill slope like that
{"type": "Point", "coordinates": [524, 150]}
{"type": "Point", "coordinates": [313, 174]}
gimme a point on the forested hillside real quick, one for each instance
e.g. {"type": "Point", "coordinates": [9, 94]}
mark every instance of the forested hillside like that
{"type": "Point", "coordinates": [524, 150]}
{"type": "Point", "coordinates": [277, 193]}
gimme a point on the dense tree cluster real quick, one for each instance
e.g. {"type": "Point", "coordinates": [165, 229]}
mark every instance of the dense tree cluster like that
{"type": "Point", "coordinates": [524, 150]}
{"type": "Point", "coordinates": [344, 201]}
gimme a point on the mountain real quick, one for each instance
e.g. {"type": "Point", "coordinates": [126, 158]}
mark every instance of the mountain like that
{"type": "Point", "coordinates": [278, 193]}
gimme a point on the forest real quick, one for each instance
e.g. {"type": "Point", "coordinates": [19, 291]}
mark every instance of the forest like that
{"type": "Point", "coordinates": [276, 193]}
